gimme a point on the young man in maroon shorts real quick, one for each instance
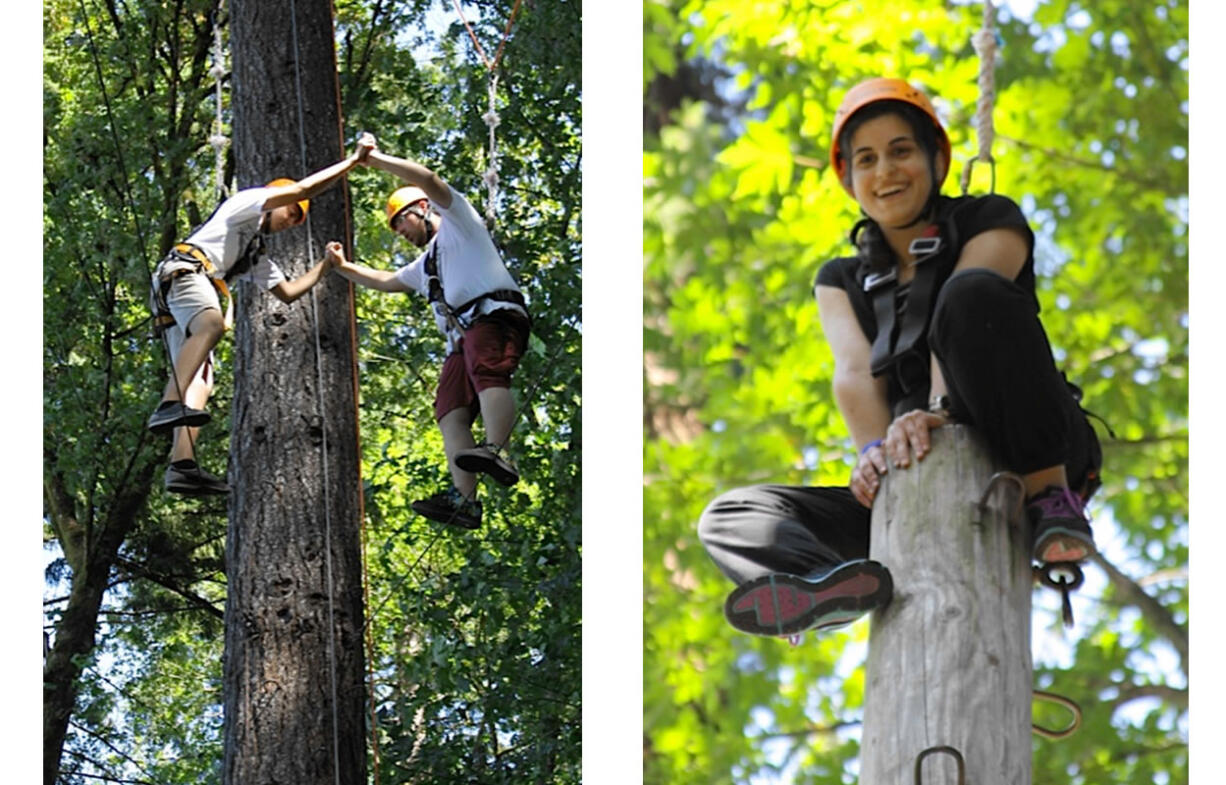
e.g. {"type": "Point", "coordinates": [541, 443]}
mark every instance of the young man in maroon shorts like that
{"type": "Point", "coordinates": [480, 312]}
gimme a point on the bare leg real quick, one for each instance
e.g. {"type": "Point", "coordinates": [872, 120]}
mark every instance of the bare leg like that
{"type": "Point", "coordinates": [458, 435]}
{"type": "Point", "coordinates": [498, 414]}
{"type": "Point", "coordinates": [196, 395]}
{"type": "Point", "coordinates": [206, 330]}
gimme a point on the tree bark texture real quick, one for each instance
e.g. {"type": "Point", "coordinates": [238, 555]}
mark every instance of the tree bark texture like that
{"type": "Point", "coordinates": [293, 666]}
{"type": "Point", "coordinates": [949, 658]}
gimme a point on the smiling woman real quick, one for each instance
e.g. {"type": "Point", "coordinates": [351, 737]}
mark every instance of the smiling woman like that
{"type": "Point", "coordinates": [934, 322]}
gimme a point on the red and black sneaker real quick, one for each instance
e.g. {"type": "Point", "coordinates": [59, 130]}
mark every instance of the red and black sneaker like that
{"type": "Point", "coordinates": [1061, 532]}
{"type": "Point", "coordinates": [780, 605]}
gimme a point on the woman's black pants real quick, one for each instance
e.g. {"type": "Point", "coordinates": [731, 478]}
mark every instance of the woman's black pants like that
{"type": "Point", "coordinates": [998, 366]}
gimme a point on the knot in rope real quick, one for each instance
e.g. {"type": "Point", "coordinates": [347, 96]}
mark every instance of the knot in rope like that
{"type": "Point", "coordinates": [985, 43]}
{"type": "Point", "coordinates": [218, 138]}
{"type": "Point", "coordinates": [491, 174]}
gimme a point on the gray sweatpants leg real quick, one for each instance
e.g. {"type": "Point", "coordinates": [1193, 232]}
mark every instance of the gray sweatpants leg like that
{"type": "Point", "coordinates": [762, 529]}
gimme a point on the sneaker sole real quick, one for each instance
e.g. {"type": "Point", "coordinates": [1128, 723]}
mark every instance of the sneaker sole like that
{"type": "Point", "coordinates": [479, 464]}
{"type": "Point", "coordinates": [444, 516]}
{"type": "Point", "coordinates": [191, 421]}
{"type": "Point", "coordinates": [187, 489]}
{"type": "Point", "coordinates": [780, 605]}
{"type": "Point", "coordinates": [1062, 546]}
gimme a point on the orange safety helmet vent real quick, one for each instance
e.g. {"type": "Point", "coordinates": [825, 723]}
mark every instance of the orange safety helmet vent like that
{"type": "Point", "coordinates": [870, 91]}
{"type": "Point", "coordinates": [303, 204]}
{"type": "Point", "coordinates": [402, 198]}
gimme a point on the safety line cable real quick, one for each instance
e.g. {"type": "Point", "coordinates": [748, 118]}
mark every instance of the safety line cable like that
{"type": "Point", "coordinates": [136, 220]}
{"type": "Point", "coordinates": [984, 41]}
{"type": "Point", "coordinates": [336, 765]}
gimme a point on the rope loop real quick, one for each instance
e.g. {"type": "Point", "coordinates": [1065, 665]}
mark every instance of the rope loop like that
{"type": "Point", "coordinates": [1067, 703]}
{"type": "Point", "coordinates": [985, 42]}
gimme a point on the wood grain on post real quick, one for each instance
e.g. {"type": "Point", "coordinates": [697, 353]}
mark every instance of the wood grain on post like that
{"type": "Point", "coordinates": [949, 658]}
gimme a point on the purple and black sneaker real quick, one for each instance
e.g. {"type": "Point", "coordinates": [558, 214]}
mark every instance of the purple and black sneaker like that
{"type": "Point", "coordinates": [1061, 530]}
{"type": "Point", "coordinates": [782, 605]}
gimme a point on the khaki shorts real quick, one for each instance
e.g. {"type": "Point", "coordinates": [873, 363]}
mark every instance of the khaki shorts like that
{"type": "Point", "coordinates": [189, 295]}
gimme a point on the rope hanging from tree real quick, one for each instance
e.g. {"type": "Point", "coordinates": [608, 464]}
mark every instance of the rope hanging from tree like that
{"type": "Point", "coordinates": [218, 138]}
{"type": "Point", "coordinates": [984, 41]}
{"type": "Point", "coordinates": [491, 115]}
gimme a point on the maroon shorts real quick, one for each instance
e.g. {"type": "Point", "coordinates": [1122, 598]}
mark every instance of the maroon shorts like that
{"type": "Point", "coordinates": [488, 354]}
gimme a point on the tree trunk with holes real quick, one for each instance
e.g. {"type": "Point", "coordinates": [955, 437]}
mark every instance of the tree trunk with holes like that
{"type": "Point", "coordinates": [949, 658]}
{"type": "Point", "coordinates": [293, 670]}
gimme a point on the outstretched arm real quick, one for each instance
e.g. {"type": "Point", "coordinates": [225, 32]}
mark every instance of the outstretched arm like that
{"type": "Point", "coordinates": [369, 277]}
{"type": "Point", "coordinates": [414, 173]}
{"type": "Point", "coordinates": [288, 291]}
{"type": "Point", "coordinates": [320, 181]}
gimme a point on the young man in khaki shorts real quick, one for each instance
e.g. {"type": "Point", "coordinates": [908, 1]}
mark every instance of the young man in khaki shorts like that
{"type": "Point", "coordinates": [482, 315]}
{"type": "Point", "coordinates": [186, 303]}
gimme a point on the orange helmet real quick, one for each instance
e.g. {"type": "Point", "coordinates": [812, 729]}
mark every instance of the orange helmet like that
{"type": "Point", "coordinates": [303, 204]}
{"type": "Point", "coordinates": [871, 91]}
{"type": "Point", "coordinates": [402, 198]}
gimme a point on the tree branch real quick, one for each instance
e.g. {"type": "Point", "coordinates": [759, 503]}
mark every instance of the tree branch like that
{"type": "Point", "coordinates": [169, 583]}
{"type": "Point", "coordinates": [1153, 611]}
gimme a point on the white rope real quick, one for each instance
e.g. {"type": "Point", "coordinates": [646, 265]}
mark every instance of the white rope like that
{"type": "Point", "coordinates": [984, 41]}
{"type": "Point", "coordinates": [218, 138]}
{"type": "Point", "coordinates": [336, 743]}
{"type": "Point", "coordinates": [491, 172]}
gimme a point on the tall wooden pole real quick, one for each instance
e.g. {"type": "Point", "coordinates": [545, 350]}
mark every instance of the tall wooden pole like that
{"type": "Point", "coordinates": [293, 659]}
{"type": "Point", "coordinates": [949, 659]}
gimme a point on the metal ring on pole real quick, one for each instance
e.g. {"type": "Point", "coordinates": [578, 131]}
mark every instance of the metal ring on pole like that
{"type": "Point", "coordinates": [952, 751]}
{"type": "Point", "coordinates": [981, 507]}
{"type": "Point", "coordinates": [1067, 703]}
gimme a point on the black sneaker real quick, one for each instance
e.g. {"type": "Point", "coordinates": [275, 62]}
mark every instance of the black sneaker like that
{"type": "Point", "coordinates": [1061, 532]}
{"type": "Point", "coordinates": [187, 478]}
{"type": "Point", "coordinates": [173, 414]}
{"type": "Point", "coordinates": [486, 460]}
{"type": "Point", "coordinates": [782, 605]}
{"type": "Point", "coordinates": [450, 507]}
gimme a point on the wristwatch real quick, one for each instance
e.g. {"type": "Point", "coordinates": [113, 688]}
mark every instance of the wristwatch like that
{"type": "Point", "coordinates": [940, 404]}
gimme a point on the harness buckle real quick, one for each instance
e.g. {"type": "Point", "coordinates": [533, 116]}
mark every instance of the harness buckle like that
{"type": "Point", "coordinates": [924, 248]}
{"type": "Point", "coordinates": [874, 281]}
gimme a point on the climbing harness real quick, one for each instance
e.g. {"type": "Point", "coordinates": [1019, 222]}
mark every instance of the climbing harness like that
{"type": "Point", "coordinates": [491, 115]}
{"type": "Point", "coordinates": [898, 350]}
{"type": "Point", "coordinates": [185, 252]}
{"type": "Point", "coordinates": [985, 43]}
{"type": "Point", "coordinates": [459, 317]}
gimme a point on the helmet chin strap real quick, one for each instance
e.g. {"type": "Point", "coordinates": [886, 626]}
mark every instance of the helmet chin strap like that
{"type": "Point", "coordinates": [425, 216]}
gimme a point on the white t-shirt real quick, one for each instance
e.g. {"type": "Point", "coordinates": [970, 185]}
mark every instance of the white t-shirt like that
{"type": "Point", "coordinates": [225, 236]}
{"type": "Point", "coordinates": [468, 266]}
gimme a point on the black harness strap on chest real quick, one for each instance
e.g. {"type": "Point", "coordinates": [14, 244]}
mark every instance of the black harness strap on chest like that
{"type": "Point", "coordinates": [435, 293]}
{"type": "Point", "coordinates": [249, 257]}
{"type": "Point", "coordinates": [895, 349]}
{"type": "Point", "coordinates": [433, 282]}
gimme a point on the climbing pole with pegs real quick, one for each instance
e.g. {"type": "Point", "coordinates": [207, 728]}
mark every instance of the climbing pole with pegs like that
{"type": "Point", "coordinates": [984, 41]}
{"type": "Point", "coordinates": [491, 115]}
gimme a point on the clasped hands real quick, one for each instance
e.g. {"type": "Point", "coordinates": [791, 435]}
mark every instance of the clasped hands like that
{"type": "Point", "coordinates": [907, 434]}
